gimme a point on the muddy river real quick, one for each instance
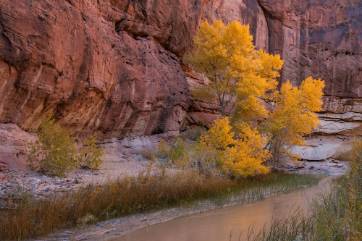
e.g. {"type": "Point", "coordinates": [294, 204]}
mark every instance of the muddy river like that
{"type": "Point", "coordinates": [233, 223]}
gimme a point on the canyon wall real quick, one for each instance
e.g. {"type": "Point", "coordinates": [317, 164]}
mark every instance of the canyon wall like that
{"type": "Point", "coordinates": [322, 38]}
{"type": "Point", "coordinates": [115, 66]}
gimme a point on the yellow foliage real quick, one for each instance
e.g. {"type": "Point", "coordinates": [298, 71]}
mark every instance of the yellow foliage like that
{"type": "Point", "coordinates": [311, 94]}
{"type": "Point", "coordinates": [238, 155]}
{"type": "Point", "coordinates": [239, 163]}
{"type": "Point", "coordinates": [227, 56]}
{"type": "Point", "coordinates": [253, 140]}
{"type": "Point", "coordinates": [219, 136]}
{"type": "Point", "coordinates": [269, 68]}
{"type": "Point", "coordinates": [294, 114]}
{"type": "Point", "coordinates": [254, 83]}
{"type": "Point", "coordinates": [247, 156]}
{"type": "Point", "coordinates": [250, 109]}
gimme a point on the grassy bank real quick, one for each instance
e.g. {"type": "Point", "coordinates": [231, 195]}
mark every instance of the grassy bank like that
{"type": "Point", "coordinates": [338, 217]}
{"type": "Point", "coordinates": [131, 195]}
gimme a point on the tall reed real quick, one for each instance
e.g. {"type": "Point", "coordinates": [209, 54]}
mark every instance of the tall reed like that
{"type": "Point", "coordinates": [146, 192]}
{"type": "Point", "coordinates": [337, 217]}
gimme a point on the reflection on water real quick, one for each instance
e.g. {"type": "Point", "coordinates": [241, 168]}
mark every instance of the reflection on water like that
{"type": "Point", "coordinates": [229, 224]}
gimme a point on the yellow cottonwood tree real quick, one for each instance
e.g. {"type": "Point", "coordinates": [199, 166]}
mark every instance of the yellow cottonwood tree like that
{"type": "Point", "coordinates": [227, 56]}
{"type": "Point", "coordinates": [243, 80]}
{"type": "Point", "coordinates": [294, 115]}
{"type": "Point", "coordinates": [239, 152]}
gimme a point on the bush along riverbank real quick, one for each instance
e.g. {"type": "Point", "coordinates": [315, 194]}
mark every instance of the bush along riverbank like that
{"type": "Point", "coordinates": [337, 217]}
{"type": "Point", "coordinates": [146, 192]}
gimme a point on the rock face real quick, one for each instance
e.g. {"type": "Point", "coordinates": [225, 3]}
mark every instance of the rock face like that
{"type": "Point", "coordinates": [13, 148]}
{"type": "Point", "coordinates": [77, 60]}
{"type": "Point", "coordinates": [114, 66]}
{"type": "Point", "coordinates": [322, 38]}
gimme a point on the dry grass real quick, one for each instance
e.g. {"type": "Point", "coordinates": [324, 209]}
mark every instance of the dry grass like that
{"type": "Point", "coordinates": [337, 217]}
{"type": "Point", "coordinates": [131, 195]}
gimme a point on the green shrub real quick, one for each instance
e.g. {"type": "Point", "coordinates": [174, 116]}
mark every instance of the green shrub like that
{"type": "Point", "coordinates": [90, 155]}
{"type": "Point", "coordinates": [55, 152]}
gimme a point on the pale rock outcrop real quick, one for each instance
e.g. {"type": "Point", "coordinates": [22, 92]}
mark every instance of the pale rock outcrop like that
{"type": "Point", "coordinates": [335, 127]}
{"type": "Point", "coordinates": [321, 148]}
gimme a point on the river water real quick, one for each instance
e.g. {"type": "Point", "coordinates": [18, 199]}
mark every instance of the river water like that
{"type": "Point", "coordinates": [232, 223]}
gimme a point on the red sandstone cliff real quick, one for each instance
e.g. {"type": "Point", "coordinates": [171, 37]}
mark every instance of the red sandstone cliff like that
{"type": "Point", "coordinates": [113, 66]}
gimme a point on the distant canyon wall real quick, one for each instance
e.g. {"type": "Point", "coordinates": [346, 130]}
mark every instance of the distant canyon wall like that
{"type": "Point", "coordinates": [114, 66]}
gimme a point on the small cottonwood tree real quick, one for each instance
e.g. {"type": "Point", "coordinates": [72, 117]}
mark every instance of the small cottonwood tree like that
{"type": "Point", "coordinates": [248, 156]}
{"type": "Point", "coordinates": [294, 115]}
{"type": "Point", "coordinates": [238, 152]}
